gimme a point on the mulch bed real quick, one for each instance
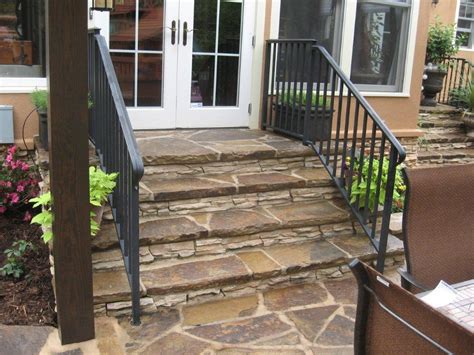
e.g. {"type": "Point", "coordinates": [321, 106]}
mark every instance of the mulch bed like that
{"type": "Point", "coordinates": [28, 300]}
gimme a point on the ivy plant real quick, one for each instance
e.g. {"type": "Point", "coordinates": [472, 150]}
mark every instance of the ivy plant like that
{"type": "Point", "coordinates": [101, 185]}
{"type": "Point", "coordinates": [14, 266]}
{"type": "Point", "coordinates": [359, 189]}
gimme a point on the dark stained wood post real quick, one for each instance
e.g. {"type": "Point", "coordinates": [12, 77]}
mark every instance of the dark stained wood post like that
{"type": "Point", "coordinates": [68, 153]}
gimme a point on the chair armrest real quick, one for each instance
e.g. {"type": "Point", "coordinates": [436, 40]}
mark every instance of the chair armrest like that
{"type": "Point", "coordinates": [409, 282]}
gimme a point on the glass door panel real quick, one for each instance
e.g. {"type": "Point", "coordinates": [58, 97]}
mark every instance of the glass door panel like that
{"type": "Point", "coordinates": [136, 32]}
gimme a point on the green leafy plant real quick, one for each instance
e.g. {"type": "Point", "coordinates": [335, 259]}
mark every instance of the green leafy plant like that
{"type": "Point", "coordinates": [40, 100]}
{"type": "Point", "coordinates": [101, 185]}
{"type": "Point", "coordinates": [463, 96]}
{"type": "Point", "coordinates": [359, 189]}
{"type": "Point", "coordinates": [288, 98]}
{"type": "Point", "coordinates": [14, 265]}
{"type": "Point", "coordinates": [442, 42]}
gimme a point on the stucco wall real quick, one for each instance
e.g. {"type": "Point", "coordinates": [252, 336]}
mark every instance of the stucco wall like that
{"type": "Point", "coordinates": [446, 11]}
{"type": "Point", "coordinates": [22, 106]}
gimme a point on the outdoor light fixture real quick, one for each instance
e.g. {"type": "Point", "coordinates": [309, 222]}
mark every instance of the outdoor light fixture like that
{"type": "Point", "coordinates": [102, 5]}
{"type": "Point", "coordinates": [435, 2]}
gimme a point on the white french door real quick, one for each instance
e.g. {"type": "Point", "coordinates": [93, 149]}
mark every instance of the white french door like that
{"type": "Point", "coordinates": [183, 63]}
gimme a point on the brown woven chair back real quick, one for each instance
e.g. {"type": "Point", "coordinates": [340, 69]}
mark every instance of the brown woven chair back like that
{"type": "Point", "coordinates": [391, 320]}
{"type": "Point", "coordinates": [438, 224]}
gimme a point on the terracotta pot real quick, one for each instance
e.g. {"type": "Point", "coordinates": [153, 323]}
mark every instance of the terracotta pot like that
{"type": "Point", "coordinates": [432, 86]}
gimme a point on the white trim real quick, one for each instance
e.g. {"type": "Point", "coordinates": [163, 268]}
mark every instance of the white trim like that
{"type": "Point", "coordinates": [347, 42]}
{"type": "Point", "coordinates": [21, 85]}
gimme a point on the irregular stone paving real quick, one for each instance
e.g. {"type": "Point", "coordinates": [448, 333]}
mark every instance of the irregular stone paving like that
{"type": "Point", "coordinates": [205, 146]}
{"type": "Point", "coordinates": [316, 318]}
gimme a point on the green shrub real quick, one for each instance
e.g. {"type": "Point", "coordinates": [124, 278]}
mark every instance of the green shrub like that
{"type": "Point", "coordinates": [288, 98]}
{"type": "Point", "coordinates": [442, 42]}
{"type": "Point", "coordinates": [100, 186]}
{"type": "Point", "coordinates": [359, 189]}
{"type": "Point", "coordinates": [40, 99]}
{"type": "Point", "coordinates": [14, 265]}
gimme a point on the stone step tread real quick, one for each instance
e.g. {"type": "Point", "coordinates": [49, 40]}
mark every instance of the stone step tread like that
{"type": "Point", "coordinates": [230, 223]}
{"type": "Point", "coordinates": [154, 188]}
{"type": "Point", "coordinates": [447, 154]}
{"type": "Point", "coordinates": [205, 146]}
{"type": "Point", "coordinates": [191, 274]}
{"type": "Point", "coordinates": [448, 138]}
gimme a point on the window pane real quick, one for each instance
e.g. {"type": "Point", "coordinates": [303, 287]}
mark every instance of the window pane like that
{"type": "Point", "coordinates": [312, 19]}
{"type": "Point", "coordinates": [150, 25]}
{"type": "Point", "coordinates": [122, 25]}
{"type": "Point", "coordinates": [229, 26]}
{"type": "Point", "coordinates": [124, 65]}
{"type": "Point", "coordinates": [22, 38]}
{"type": "Point", "coordinates": [149, 79]}
{"type": "Point", "coordinates": [377, 44]}
{"type": "Point", "coordinates": [205, 17]}
{"type": "Point", "coordinates": [227, 81]}
{"type": "Point", "coordinates": [202, 85]}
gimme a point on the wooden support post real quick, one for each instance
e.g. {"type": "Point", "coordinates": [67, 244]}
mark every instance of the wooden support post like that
{"type": "Point", "coordinates": [68, 153]}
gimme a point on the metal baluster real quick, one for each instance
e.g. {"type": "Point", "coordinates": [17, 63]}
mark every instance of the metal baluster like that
{"type": "Point", "coordinates": [369, 173]}
{"type": "Point", "coordinates": [353, 149]}
{"type": "Point", "coordinates": [295, 85]}
{"type": "Point", "coordinates": [340, 98]}
{"type": "Point", "coordinates": [362, 153]}
{"type": "Point", "coordinates": [378, 186]}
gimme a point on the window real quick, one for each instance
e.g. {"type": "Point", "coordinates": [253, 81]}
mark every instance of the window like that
{"type": "Point", "coordinates": [22, 38]}
{"type": "Point", "coordinates": [314, 19]}
{"type": "Point", "coordinates": [466, 22]}
{"type": "Point", "coordinates": [380, 43]}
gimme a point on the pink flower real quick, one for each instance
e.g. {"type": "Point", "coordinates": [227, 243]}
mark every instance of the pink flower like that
{"type": "Point", "coordinates": [9, 184]}
{"type": "Point", "coordinates": [20, 188]}
{"type": "Point", "coordinates": [25, 167]}
{"type": "Point", "coordinates": [27, 216]}
{"type": "Point", "coordinates": [14, 198]}
{"type": "Point", "coordinates": [3, 209]}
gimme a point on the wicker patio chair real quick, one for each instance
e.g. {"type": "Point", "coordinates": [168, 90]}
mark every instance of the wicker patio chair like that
{"type": "Point", "coordinates": [391, 320]}
{"type": "Point", "coordinates": [438, 226]}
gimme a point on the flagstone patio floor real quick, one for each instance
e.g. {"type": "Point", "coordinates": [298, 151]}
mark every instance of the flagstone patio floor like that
{"type": "Point", "coordinates": [313, 318]}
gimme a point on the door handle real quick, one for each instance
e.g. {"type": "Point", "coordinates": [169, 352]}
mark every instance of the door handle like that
{"type": "Point", "coordinates": [173, 32]}
{"type": "Point", "coordinates": [185, 32]}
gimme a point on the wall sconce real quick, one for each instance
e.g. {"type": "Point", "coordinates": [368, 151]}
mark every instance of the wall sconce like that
{"type": "Point", "coordinates": [101, 5]}
{"type": "Point", "coordinates": [435, 2]}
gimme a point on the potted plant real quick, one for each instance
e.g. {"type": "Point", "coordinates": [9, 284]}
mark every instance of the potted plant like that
{"type": "Point", "coordinates": [40, 101]}
{"type": "Point", "coordinates": [294, 108]}
{"type": "Point", "coordinates": [442, 43]}
{"type": "Point", "coordinates": [101, 185]}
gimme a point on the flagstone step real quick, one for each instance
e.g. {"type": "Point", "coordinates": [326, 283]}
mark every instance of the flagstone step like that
{"type": "Point", "coordinates": [297, 217]}
{"type": "Point", "coordinates": [216, 145]}
{"type": "Point", "coordinates": [439, 155]}
{"type": "Point", "coordinates": [182, 281]}
{"type": "Point", "coordinates": [154, 188]}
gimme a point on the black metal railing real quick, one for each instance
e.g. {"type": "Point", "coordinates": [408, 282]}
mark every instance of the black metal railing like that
{"type": "Point", "coordinates": [111, 132]}
{"type": "Point", "coordinates": [458, 77]}
{"type": "Point", "coordinates": [308, 97]}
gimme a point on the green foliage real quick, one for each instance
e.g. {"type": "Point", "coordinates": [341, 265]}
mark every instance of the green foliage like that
{"type": "Point", "coordinates": [359, 190]}
{"type": "Point", "coordinates": [100, 186]}
{"type": "Point", "coordinates": [288, 97]}
{"type": "Point", "coordinates": [14, 266]}
{"type": "Point", "coordinates": [463, 96]}
{"type": "Point", "coordinates": [442, 42]}
{"type": "Point", "coordinates": [40, 99]}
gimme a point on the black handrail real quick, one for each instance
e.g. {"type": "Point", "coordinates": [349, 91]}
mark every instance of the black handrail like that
{"type": "Point", "coordinates": [111, 132]}
{"type": "Point", "coordinates": [458, 77]}
{"type": "Point", "coordinates": [308, 97]}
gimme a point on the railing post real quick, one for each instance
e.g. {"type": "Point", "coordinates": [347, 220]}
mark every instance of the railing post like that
{"type": "Point", "coordinates": [266, 82]}
{"type": "Point", "coordinates": [309, 93]}
{"type": "Point", "coordinates": [387, 208]}
{"type": "Point", "coordinates": [69, 158]}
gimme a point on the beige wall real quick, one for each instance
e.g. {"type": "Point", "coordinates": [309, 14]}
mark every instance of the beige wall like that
{"type": "Point", "coordinates": [400, 113]}
{"type": "Point", "coordinates": [446, 11]}
{"type": "Point", "coordinates": [22, 106]}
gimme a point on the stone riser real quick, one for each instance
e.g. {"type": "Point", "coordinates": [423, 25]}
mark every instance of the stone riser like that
{"type": "Point", "coordinates": [238, 166]}
{"type": "Point", "coordinates": [150, 303]}
{"type": "Point", "coordinates": [180, 251]}
{"type": "Point", "coordinates": [239, 201]}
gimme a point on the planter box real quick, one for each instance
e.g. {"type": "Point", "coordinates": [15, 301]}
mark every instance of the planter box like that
{"type": "Point", "coordinates": [320, 121]}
